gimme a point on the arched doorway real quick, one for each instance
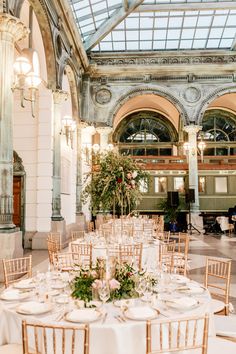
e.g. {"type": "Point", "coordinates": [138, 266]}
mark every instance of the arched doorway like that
{"type": "Point", "coordinates": [18, 192]}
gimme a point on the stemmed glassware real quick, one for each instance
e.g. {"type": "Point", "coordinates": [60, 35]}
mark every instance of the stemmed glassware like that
{"type": "Point", "coordinates": [104, 291]}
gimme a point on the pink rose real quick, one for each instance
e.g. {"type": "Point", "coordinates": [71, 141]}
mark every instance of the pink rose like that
{"type": "Point", "coordinates": [129, 175]}
{"type": "Point", "coordinates": [97, 284]}
{"type": "Point", "coordinates": [114, 284]}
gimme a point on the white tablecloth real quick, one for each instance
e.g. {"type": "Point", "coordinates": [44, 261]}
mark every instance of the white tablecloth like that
{"type": "Point", "coordinates": [111, 337]}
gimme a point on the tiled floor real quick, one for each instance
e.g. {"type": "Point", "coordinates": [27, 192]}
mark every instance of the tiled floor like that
{"type": "Point", "coordinates": [201, 246]}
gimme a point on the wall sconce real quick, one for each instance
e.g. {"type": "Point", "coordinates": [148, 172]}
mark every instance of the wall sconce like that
{"type": "Point", "coordinates": [68, 128]}
{"type": "Point", "coordinates": [201, 147]}
{"type": "Point", "coordinates": [27, 77]}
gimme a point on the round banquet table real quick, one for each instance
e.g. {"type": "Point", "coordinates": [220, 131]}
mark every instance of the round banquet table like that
{"type": "Point", "coordinates": [111, 336]}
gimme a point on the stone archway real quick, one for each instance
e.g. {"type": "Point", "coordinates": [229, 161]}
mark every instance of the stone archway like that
{"type": "Point", "coordinates": [144, 90]}
{"type": "Point", "coordinates": [210, 98]}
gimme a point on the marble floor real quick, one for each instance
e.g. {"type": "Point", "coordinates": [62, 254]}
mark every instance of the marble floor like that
{"type": "Point", "coordinates": [201, 246]}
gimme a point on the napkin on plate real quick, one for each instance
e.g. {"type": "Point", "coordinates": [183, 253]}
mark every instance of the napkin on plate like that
{"type": "Point", "coordinates": [82, 315]}
{"type": "Point", "coordinates": [10, 294]}
{"type": "Point", "coordinates": [183, 302]}
{"type": "Point", "coordinates": [33, 308]}
{"type": "Point", "coordinates": [143, 312]}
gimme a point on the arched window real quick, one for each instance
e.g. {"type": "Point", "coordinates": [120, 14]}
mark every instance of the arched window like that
{"type": "Point", "coordinates": [219, 133]}
{"type": "Point", "coordinates": [145, 133]}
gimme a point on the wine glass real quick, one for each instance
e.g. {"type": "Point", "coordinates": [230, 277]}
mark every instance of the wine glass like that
{"type": "Point", "coordinates": [104, 292]}
{"type": "Point", "coordinates": [140, 286]}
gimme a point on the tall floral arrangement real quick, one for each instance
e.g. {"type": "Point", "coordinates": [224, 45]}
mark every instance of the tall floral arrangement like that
{"type": "Point", "coordinates": [114, 183]}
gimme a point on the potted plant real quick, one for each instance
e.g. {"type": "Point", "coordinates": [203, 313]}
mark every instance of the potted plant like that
{"type": "Point", "coordinates": [171, 213]}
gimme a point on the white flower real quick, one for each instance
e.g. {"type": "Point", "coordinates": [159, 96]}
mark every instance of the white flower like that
{"type": "Point", "coordinates": [134, 174]}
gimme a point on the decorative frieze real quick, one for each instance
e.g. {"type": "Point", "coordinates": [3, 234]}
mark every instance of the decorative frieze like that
{"type": "Point", "coordinates": [165, 60]}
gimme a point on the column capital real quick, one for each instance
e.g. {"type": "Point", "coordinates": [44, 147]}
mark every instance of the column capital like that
{"type": "Point", "coordinates": [60, 96]}
{"type": "Point", "coordinates": [12, 28]}
{"type": "Point", "coordinates": [192, 128]}
{"type": "Point", "coordinates": [104, 130]}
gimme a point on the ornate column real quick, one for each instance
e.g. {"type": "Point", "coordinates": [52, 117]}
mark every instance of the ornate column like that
{"type": "Point", "coordinates": [58, 98]}
{"type": "Point", "coordinates": [80, 218]}
{"type": "Point", "coordinates": [192, 131]}
{"type": "Point", "coordinates": [85, 97]}
{"type": "Point", "coordinates": [104, 136]}
{"type": "Point", "coordinates": [11, 30]}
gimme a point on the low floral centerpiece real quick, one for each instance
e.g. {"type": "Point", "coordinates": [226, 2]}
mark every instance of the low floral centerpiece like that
{"type": "Point", "coordinates": [88, 281]}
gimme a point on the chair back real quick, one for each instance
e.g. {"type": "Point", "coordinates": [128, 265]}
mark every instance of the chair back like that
{"type": "Point", "coordinates": [90, 226]}
{"type": "Point", "coordinates": [52, 250]}
{"type": "Point", "coordinates": [54, 339]}
{"type": "Point", "coordinates": [178, 335]}
{"type": "Point", "coordinates": [84, 252]}
{"type": "Point", "coordinates": [55, 237]}
{"type": "Point", "coordinates": [217, 279]}
{"type": "Point", "coordinates": [182, 243]}
{"type": "Point", "coordinates": [131, 254]}
{"type": "Point", "coordinates": [16, 268]}
{"type": "Point", "coordinates": [66, 261]}
{"type": "Point", "coordinates": [75, 235]}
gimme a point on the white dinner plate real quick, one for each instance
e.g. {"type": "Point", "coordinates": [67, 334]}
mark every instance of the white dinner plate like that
{"type": "Point", "coordinates": [34, 308]}
{"type": "Point", "coordinates": [124, 303]}
{"type": "Point", "coordinates": [179, 279]}
{"type": "Point", "coordinates": [14, 295]}
{"type": "Point", "coordinates": [141, 313]}
{"type": "Point", "coordinates": [25, 284]}
{"type": "Point", "coordinates": [191, 290]}
{"type": "Point", "coordinates": [58, 285]}
{"type": "Point", "coordinates": [84, 315]}
{"type": "Point", "coordinates": [182, 304]}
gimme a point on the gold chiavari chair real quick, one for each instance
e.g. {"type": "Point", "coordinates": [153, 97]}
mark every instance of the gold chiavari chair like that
{"type": "Point", "coordinates": [166, 248]}
{"type": "Point", "coordinates": [90, 226]}
{"type": "Point", "coordinates": [66, 261]}
{"type": "Point", "coordinates": [217, 281]}
{"type": "Point", "coordinates": [52, 250]}
{"type": "Point", "coordinates": [55, 237]}
{"type": "Point", "coordinates": [177, 335]}
{"type": "Point", "coordinates": [84, 251]}
{"type": "Point", "coordinates": [51, 339]}
{"type": "Point", "coordinates": [15, 268]}
{"type": "Point", "coordinates": [182, 243]}
{"type": "Point", "coordinates": [79, 234]}
{"type": "Point", "coordinates": [163, 236]}
{"type": "Point", "coordinates": [131, 254]}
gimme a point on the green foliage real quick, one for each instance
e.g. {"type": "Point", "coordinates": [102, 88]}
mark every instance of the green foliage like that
{"type": "Point", "coordinates": [114, 184]}
{"type": "Point", "coordinates": [126, 275]}
{"type": "Point", "coordinates": [171, 212]}
{"type": "Point", "coordinates": [82, 284]}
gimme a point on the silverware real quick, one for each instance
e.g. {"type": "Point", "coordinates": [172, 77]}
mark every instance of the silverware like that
{"type": "Point", "coordinates": [104, 318]}
{"type": "Point", "coordinates": [118, 318]}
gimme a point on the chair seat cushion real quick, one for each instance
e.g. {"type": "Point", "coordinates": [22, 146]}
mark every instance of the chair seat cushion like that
{"type": "Point", "coordinates": [217, 305]}
{"type": "Point", "coordinates": [225, 325]}
{"type": "Point", "coordinates": [11, 349]}
{"type": "Point", "coordinates": [217, 345]}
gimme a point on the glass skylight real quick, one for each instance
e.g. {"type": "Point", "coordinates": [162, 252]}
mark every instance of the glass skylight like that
{"type": "Point", "coordinates": [157, 30]}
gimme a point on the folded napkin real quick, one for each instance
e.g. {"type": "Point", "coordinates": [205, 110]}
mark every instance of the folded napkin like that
{"type": "Point", "coordinates": [33, 308]}
{"type": "Point", "coordinates": [83, 315]}
{"type": "Point", "coordinates": [24, 284]}
{"type": "Point", "coordinates": [10, 294]}
{"type": "Point", "coordinates": [183, 302]}
{"type": "Point", "coordinates": [141, 312]}
{"type": "Point", "coordinates": [191, 289]}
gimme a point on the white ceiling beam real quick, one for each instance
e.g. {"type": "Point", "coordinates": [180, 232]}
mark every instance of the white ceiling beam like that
{"type": "Point", "coordinates": [106, 27]}
{"type": "Point", "coordinates": [187, 7]}
{"type": "Point", "coordinates": [233, 46]}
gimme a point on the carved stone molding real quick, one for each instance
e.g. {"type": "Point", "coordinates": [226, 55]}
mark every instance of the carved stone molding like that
{"type": "Point", "coordinates": [103, 96]}
{"type": "Point", "coordinates": [211, 97]}
{"type": "Point", "coordinates": [18, 167]}
{"type": "Point", "coordinates": [165, 60]}
{"type": "Point", "coordinates": [192, 94]}
{"type": "Point", "coordinates": [143, 90]}
{"type": "Point", "coordinates": [11, 28]}
{"type": "Point", "coordinates": [60, 96]}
